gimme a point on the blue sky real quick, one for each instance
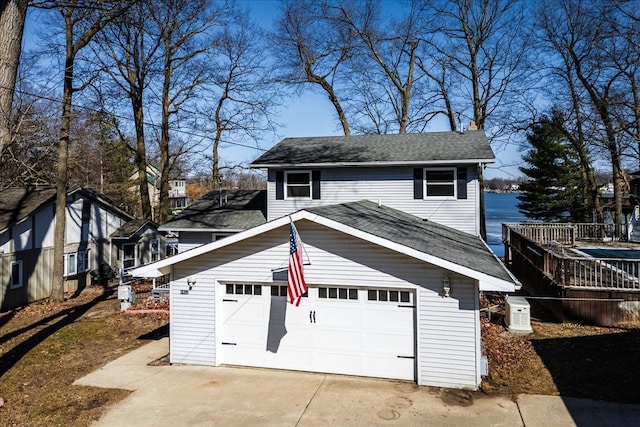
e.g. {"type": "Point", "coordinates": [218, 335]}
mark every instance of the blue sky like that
{"type": "Point", "coordinates": [311, 113]}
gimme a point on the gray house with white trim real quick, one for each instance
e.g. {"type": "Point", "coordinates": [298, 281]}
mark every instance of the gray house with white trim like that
{"type": "Point", "coordinates": [393, 261]}
{"type": "Point", "coordinates": [27, 223]}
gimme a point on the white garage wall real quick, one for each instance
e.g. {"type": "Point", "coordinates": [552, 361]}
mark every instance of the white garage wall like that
{"type": "Point", "coordinates": [192, 322]}
{"type": "Point", "coordinates": [447, 330]}
{"type": "Point", "coordinates": [449, 336]}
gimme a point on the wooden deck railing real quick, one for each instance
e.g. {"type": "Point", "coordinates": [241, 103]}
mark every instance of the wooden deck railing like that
{"type": "Point", "coordinates": [564, 234]}
{"type": "Point", "coordinates": [565, 269]}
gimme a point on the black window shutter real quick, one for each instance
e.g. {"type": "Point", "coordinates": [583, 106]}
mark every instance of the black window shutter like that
{"type": "Point", "coordinates": [315, 184]}
{"type": "Point", "coordinates": [418, 185]}
{"type": "Point", "coordinates": [462, 183]}
{"type": "Point", "coordinates": [279, 185]}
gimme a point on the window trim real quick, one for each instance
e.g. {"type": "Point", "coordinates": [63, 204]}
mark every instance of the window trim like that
{"type": "Point", "coordinates": [154, 254]}
{"type": "Point", "coordinates": [135, 256]}
{"type": "Point", "coordinates": [309, 184]}
{"type": "Point", "coordinates": [81, 263]}
{"type": "Point", "coordinates": [453, 183]}
{"type": "Point", "coordinates": [12, 285]}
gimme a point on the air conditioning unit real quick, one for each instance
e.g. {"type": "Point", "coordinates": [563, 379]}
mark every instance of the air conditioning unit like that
{"type": "Point", "coordinates": [518, 315]}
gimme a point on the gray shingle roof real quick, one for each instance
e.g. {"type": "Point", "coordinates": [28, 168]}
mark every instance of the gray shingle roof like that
{"type": "Point", "coordinates": [241, 210]}
{"type": "Point", "coordinates": [471, 146]}
{"type": "Point", "coordinates": [17, 203]}
{"type": "Point", "coordinates": [130, 228]}
{"type": "Point", "coordinates": [422, 235]}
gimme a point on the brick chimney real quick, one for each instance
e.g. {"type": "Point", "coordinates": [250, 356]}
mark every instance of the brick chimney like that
{"type": "Point", "coordinates": [472, 125]}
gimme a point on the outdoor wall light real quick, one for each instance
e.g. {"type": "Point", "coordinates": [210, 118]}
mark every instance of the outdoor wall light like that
{"type": "Point", "coordinates": [190, 282]}
{"type": "Point", "coordinates": [446, 286]}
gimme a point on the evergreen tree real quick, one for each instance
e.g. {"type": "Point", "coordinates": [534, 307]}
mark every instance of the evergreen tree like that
{"type": "Point", "coordinates": [554, 190]}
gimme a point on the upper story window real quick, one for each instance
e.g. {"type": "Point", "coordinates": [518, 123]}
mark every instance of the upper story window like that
{"type": "Point", "coordinates": [298, 184]}
{"type": "Point", "coordinates": [440, 182]}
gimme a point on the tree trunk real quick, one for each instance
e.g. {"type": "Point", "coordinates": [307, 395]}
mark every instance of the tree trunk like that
{"type": "Point", "coordinates": [12, 16]}
{"type": "Point", "coordinates": [164, 136]}
{"type": "Point", "coordinates": [57, 286]}
{"type": "Point", "coordinates": [141, 157]}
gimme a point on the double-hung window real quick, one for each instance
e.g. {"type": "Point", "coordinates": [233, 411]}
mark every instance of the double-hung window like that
{"type": "Point", "coordinates": [155, 250]}
{"type": "Point", "coordinates": [440, 182]}
{"type": "Point", "coordinates": [76, 262]}
{"type": "Point", "coordinates": [298, 184]}
{"type": "Point", "coordinates": [129, 255]}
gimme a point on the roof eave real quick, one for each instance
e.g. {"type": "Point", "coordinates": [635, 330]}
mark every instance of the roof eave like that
{"type": "Point", "coordinates": [372, 164]}
{"type": "Point", "coordinates": [207, 230]}
{"type": "Point", "coordinates": [486, 281]}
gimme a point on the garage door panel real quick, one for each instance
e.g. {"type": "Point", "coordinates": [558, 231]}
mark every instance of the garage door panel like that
{"type": "Point", "coordinates": [337, 330]}
{"type": "Point", "coordinates": [331, 340]}
{"type": "Point", "coordinates": [387, 343]}
{"type": "Point", "coordinates": [392, 367]}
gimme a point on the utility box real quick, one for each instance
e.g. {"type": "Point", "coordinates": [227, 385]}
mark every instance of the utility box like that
{"type": "Point", "coordinates": [518, 316]}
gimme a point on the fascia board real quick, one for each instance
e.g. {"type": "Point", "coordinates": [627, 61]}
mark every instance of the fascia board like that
{"type": "Point", "coordinates": [370, 164]}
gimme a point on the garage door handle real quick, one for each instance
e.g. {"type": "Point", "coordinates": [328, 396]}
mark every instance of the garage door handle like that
{"type": "Point", "coordinates": [406, 357]}
{"type": "Point", "coordinates": [229, 300]}
{"type": "Point", "coordinates": [312, 316]}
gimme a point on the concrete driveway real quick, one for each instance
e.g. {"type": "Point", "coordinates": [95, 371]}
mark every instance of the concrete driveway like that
{"type": "Point", "coordinates": [206, 396]}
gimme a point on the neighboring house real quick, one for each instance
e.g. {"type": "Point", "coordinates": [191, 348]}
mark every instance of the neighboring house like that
{"type": "Point", "coordinates": [213, 217]}
{"type": "Point", "coordinates": [27, 222]}
{"type": "Point", "coordinates": [394, 281]}
{"type": "Point", "coordinates": [178, 199]}
{"type": "Point", "coordinates": [137, 243]}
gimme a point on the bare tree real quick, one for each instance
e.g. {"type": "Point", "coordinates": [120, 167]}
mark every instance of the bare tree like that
{"type": "Point", "coordinates": [82, 21]}
{"type": "Point", "coordinates": [129, 55]}
{"type": "Point", "coordinates": [385, 63]}
{"type": "Point", "coordinates": [309, 49]}
{"type": "Point", "coordinates": [578, 34]}
{"type": "Point", "coordinates": [484, 43]}
{"type": "Point", "coordinates": [12, 17]}
{"type": "Point", "coordinates": [184, 28]}
{"type": "Point", "coordinates": [241, 97]}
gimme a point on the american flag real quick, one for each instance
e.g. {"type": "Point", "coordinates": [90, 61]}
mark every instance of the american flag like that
{"type": "Point", "coordinates": [296, 285]}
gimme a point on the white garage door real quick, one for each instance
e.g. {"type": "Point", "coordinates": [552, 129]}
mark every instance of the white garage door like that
{"type": "Point", "coordinates": [356, 331]}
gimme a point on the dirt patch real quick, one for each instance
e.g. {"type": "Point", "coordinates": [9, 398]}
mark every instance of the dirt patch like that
{"type": "Point", "coordinates": [44, 348]}
{"type": "Point", "coordinates": [564, 359]}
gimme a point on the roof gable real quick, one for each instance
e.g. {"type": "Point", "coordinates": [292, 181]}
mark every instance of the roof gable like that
{"type": "Point", "coordinates": [133, 228]}
{"type": "Point", "coordinates": [397, 149]}
{"type": "Point", "coordinates": [430, 242]}
{"type": "Point", "coordinates": [18, 203]}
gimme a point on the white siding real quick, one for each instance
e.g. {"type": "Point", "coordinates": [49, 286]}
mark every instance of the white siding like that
{"type": "Point", "coordinates": [22, 233]}
{"type": "Point", "coordinates": [44, 227]}
{"type": "Point", "coordinates": [103, 222]}
{"type": "Point", "coordinates": [449, 336]}
{"type": "Point", "coordinates": [336, 259]}
{"type": "Point", "coordinates": [192, 323]}
{"type": "Point", "coordinates": [74, 222]}
{"type": "Point", "coordinates": [5, 243]}
{"type": "Point", "coordinates": [392, 187]}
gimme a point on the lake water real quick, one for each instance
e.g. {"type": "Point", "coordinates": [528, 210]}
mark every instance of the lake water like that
{"type": "Point", "coordinates": [499, 208]}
